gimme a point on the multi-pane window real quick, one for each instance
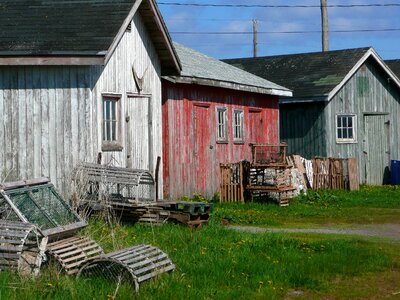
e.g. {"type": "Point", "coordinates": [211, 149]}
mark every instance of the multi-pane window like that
{"type": "Point", "coordinates": [345, 128]}
{"type": "Point", "coordinates": [238, 127]}
{"type": "Point", "coordinates": [111, 126]}
{"type": "Point", "coordinates": [222, 131]}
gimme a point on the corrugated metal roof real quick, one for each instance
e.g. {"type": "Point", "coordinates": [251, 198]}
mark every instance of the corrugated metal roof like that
{"type": "Point", "coordinates": [203, 69]}
{"type": "Point", "coordinates": [307, 74]}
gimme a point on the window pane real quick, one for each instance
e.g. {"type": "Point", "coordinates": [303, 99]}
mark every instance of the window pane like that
{"type": "Point", "coordinates": [339, 133]}
{"type": "Point", "coordinates": [350, 122]}
{"type": "Point", "coordinates": [344, 122]}
{"type": "Point", "coordinates": [345, 133]}
{"type": "Point", "coordinates": [339, 121]}
{"type": "Point", "coordinates": [350, 133]}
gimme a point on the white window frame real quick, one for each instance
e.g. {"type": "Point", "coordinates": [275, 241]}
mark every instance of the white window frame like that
{"type": "Point", "coordinates": [221, 124]}
{"type": "Point", "coordinates": [238, 125]}
{"type": "Point", "coordinates": [343, 127]}
{"type": "Point", "coordinates": [111, 133]}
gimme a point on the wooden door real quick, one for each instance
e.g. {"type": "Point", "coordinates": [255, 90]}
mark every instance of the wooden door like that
{"type": "Point", "coordinates": [255, 130]}
{"type": "Point", "coordinates": [138, 133]}
{"type": "Point", "coordinates": [376, 152]}
{"type": "Point", "coordinates": [202, 142]}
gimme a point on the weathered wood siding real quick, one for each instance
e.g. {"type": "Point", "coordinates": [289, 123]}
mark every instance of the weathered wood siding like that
{"type": "Point", "coordinates": [191, 153]}
{"type": "Point", "coordinates": [302, 127]}
{"type": "Point", "coordinates": [375, 100]}
{"type": "Point", "coordinates": [50, 116]}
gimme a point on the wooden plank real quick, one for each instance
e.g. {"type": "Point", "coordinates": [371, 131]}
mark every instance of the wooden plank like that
{"type": "Point", "coordinates": [354, 183]}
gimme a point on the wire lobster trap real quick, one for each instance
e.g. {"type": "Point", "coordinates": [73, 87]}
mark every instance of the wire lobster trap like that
{"type": "Point", "coordinates": [268, 155]}
{"type": "Point", "coordinates": [37, 202]}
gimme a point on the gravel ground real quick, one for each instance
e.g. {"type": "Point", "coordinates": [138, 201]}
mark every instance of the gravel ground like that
{"type": "Point", "coordinates": [388, 231]}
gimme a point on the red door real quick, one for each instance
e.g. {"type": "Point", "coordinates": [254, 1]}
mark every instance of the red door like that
{"type": "Point", "coordinates": [256, 128]}
{"type": "Point", "coordinates": [201, 148]}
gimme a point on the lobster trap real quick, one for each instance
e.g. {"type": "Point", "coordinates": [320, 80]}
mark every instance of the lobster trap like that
{"type": "Point", "coordinates": [22, 247]}
{"type": "Point", "coordinates": [135, 265]}
{"type": "Point", "coordinates": [37, 202]}
{"type": "Point", "coordinates": [114, 186]}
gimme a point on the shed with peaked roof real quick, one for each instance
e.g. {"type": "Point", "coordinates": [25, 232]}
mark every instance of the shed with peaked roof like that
{"type": "Point", "coordinates": [345, 103]}
{"type": "Point", "coordinates": [79, 78]}
{"type": "Point", "coordinates": [211, 113]}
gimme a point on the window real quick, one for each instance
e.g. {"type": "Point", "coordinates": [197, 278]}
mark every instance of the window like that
{"type": "Point", "coordinates": [346, 128]}
{"type": "Point", "coordinates": [111, 123]}
{"type": "Point", "coordinates": [238, 127]}
{"type": "Point", "coordinates": [222, 135]}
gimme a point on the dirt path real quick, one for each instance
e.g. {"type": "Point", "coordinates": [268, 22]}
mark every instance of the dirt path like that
{"type": "Point", "coordinates": [389, 231]}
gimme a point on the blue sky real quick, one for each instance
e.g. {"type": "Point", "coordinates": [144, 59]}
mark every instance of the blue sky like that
{"type": "Point", "coordinates": [211, 19]}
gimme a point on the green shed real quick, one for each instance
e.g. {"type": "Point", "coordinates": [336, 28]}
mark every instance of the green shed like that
{"type": "Point", "coordinates": [346, 103]}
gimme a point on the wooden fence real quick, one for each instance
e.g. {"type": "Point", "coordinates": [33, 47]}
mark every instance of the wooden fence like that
{"type": "Point", "coordinates": [231, 188]}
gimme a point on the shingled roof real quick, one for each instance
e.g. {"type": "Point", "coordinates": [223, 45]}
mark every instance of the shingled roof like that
{"type": "Point", "coordinates": [76, 27]}
{"type": "Point", "coordinates": [201, 69]}
{"type": "Point", "coordinates": [309, 75]}
{"type": "Point", "coordinates": [394, 65]}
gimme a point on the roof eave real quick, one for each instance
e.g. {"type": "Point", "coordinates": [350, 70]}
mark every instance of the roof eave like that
{"type": "Point", "coordinates": [308, 99]}
{"type": "Point", "coordinates": [51, 60]}
{"type": "Point", "coordinates": [228, 85]}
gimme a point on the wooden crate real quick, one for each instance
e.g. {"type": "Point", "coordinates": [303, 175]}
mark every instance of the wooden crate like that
{"type": "Point", "coordinates": [136, 265]}
{"type": "Point", "coordinates": [231, 187]}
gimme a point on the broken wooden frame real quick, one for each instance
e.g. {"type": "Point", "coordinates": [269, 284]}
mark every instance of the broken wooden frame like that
{"type": "Point", "coordinates": [22, 247]}
{"type": "Point", "coordinates": [136, 264]}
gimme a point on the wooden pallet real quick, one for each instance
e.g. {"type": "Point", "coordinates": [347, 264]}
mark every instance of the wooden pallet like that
{"type": "Point", "coordinates": [136, 264]}
{"type": "Point", "coordinates": [22, 247]}
{"type": "Point", "coordinates": [72, 253]}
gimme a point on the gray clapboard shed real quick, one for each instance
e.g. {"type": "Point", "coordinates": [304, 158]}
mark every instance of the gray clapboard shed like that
{"type": "Point", "coordinates": [78, 78]}
{"type": "Point", "coordinates": [345, 103]}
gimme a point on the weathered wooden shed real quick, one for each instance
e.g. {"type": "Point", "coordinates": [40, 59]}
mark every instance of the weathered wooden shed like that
{"type": "Point", "coordinates": [345, 103]}
{"type": "Point", "coordinates": [211, 113]}
{"type": "Point", "coordinates": [78, 78]}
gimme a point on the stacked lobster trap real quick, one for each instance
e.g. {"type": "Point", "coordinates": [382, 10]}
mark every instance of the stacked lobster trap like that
{"type": "Point", "coordinates": [37, 225]}
{"type": "Point", "coordinates": [267, 177]}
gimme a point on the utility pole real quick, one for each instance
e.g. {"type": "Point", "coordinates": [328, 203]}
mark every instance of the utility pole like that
{"type": "Point", "coordinates": [325, 28]}
{"type": "Point", "coordinates": [254, 38]}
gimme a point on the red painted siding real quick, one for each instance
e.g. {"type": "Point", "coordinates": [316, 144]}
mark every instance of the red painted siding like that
{"type": "Point", "coordinates": [191, 154]}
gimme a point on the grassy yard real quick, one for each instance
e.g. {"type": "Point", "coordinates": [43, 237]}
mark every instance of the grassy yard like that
{"type": "Point", "coordinates": [217, 263]}
{"type": "Point", "coordinates": [370, 205]}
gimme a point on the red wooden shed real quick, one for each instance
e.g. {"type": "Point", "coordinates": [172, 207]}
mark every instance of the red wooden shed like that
{"type": "Point", "coordinates": [211, 113]}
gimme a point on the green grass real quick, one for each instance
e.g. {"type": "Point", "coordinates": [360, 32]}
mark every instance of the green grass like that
{"type": "Point", "coordinates": [217, 263]}
{"type": "Point", "coordinates": [214, 263]}
{"type": "Point", "coordinates": [380, 204]}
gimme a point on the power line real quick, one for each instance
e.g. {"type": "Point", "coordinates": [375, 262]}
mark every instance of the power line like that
{"type": "Point", "coordinates": [280, 32]}
{"type": "Point", "coordinates": [278, 6]}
